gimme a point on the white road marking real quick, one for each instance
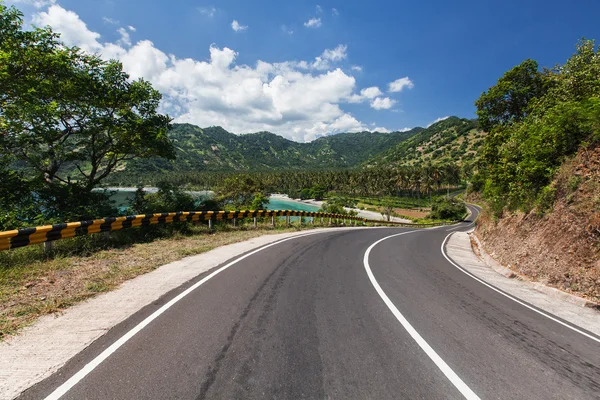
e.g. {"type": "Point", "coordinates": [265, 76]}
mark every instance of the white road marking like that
{"type": "Point", "coordinates": [513, 298]}
{"type": "Point", "coordinates": [441, 364]}
{"type": "Point", "coordinates": [66, 386]}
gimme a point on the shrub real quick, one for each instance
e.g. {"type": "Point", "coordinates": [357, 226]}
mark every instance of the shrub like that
{"type": "Point", "coordinates": [447, 208]}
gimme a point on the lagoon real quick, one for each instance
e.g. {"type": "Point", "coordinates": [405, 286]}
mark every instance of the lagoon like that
{"type": "Point", "coordinates": [280, 204]}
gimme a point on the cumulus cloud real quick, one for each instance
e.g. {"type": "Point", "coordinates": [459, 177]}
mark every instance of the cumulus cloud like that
{"type": "Point", "coordinates": [319, 9]}
{"type": "Point", "coordinates": [236, 26]}
{"type": "Point", "coordinates": [287, 30]}
{"type": "Point", "coordinates": [438, 120]}
{"type": "Point", "coordinates": [382, 103]}
{"type": "Point", "coordinates": [131, 28]}
{"type": "Point", "coordinates": [399, 84]}
{"type": "Point", "coordinates": [72, 29]}
{"type": "Point", "coordinates": [356, 68]}
{"type": "Point", "coordinates": [371, 92]}
{"type": "Point", "coordinates": [293, 98]}
{"type": "Point", "coordinates": [335, 12]}
{"type": "Point", "coordinates": [330, 55]}
{"type": "Point", "coordinates": [313, 23]}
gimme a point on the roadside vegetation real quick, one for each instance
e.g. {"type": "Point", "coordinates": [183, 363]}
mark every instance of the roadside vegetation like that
{"type": "Point", "coordinates": [538, 175]}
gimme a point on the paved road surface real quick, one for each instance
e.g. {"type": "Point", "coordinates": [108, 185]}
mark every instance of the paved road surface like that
{"type": "Point", "coordinates": [303, 320]}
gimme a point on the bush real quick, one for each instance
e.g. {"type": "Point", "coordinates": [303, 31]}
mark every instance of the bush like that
{"type": "Point", "coordinates": [448, 208]}
{"type": "Point", "coordinates": [168, 199]}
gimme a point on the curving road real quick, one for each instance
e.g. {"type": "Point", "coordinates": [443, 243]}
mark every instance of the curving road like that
{"type": "Point", "coordinates": [313, 318]}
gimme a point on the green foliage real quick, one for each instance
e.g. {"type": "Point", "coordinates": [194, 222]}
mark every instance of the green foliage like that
{"type": "Point", "coordinates": [335, 205]}
{"type": "Point", "coordinates": [260, 202]}
{"type": "Point", "coordinates": [240, 191]}
{"type": "Point", "coordinates": [545, 199]}
{"type": "Point", "coordinates": [67, 120]}
{"type": "Point", "coordinates": [509, 101]}
{"type": "Point", "coordinates": [524, 150]}
{"type": "Point", "coordinates": [168, 198]}
{"type": "Point", "coordinates": [447, 208]}
{"type": "Point", "coordinates": [450, 141]}
{"type": "Point", "coordinates": [388, 207]}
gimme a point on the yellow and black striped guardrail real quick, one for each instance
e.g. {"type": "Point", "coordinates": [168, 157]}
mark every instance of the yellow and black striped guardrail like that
{"type": "Point", "coordinates": [47, 233]}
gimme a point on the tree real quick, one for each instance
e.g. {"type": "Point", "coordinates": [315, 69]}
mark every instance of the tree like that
{"type": "Point", "coordinates": [259, 202]}
{"type": "Point", "coordinates": [240, 191]}
{"type": "Point", "coordinates": [509, 100]}
{"type": "Point", "coordinates": [72, 117]}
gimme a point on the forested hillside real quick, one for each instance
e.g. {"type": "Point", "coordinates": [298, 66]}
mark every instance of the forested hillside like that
{"type": "Point", "coordinates": [450, 140]}
{"type": "Point", "coordinates": [539, 174]}
{"type": "Point", "coordinates": [215, 149]}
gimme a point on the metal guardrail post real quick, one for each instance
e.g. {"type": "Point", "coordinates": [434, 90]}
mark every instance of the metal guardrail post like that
{"type": "Point", "coordinates": [210, 225]}
{"type": "Point", "coordinates": [255, 222]}
{"type": "Point", "coordinates": [48, 246]}
{"type": "Point", "coordinates": [273, 220]}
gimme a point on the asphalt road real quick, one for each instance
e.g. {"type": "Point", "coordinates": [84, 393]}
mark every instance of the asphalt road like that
{"type": "Point", "coordinates": [303, 320]}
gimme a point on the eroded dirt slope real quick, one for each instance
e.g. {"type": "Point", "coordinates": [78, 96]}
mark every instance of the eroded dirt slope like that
{"type": "Point", "coordinates": [562, 247]}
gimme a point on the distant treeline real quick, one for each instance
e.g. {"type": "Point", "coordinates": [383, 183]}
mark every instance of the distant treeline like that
{"type": "Point", "coordinates": [360, 182]}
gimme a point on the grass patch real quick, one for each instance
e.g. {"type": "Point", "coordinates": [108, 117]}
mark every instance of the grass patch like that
{"type": "Point", "coordinates": [34, 283]}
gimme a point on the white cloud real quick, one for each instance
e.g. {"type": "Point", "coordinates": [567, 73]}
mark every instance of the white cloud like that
{"type": "Point", "coordinates": [380, 129]}
{"type": "Point", "coordinates": [438, 120]}
{"type": "Point", "coordinates": [291, 98]}
{"type": "Point", "coordinates": [237, 27]}
{"type": "Point", "coordinates": [371, 92]}
{"type": "Point", "coordinates": [399, 84]}
{"type": "Point", "coordinates": [330, 56]}
{"type": "Point", "coordinates": [72, 29]}
{"type": "Point", "coordinates": [382, 103]}
{"type": "Point", "coordinates": [287, 30]}
{"type": "Point", "coordinates": [356, 68]}
{"type": "Point", "coordinates": [131, 28]}
{"type": "Point", "coordinates": [313, 23]}
{"type": "Point", "coordinates": [110, 21]}
{"type": "Point", "coordinates": [405, 129]}
{"type": "Point", "coordinates": [125, 39]}
{"type": "Point", "coordinates": [335, 12]}
{"type": "Point", "coordinates": [208, 11]}
{"type": "Point", "coordinates": [319, 9]}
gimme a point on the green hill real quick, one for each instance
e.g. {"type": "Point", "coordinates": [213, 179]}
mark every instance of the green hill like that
{"type": "Point", "coordinates": [452, 139]}
{"type": "Point", "coordinates": [215, 149]}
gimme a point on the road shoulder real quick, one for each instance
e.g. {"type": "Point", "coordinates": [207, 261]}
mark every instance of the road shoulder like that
{"type": "Point", "coordinates": [569, 308]}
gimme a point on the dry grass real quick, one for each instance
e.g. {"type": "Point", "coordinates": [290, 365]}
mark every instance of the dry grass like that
{"type": "Point", "coordinates": [33, 284]}
{"type": "Point", "coordinates": [413, 212]}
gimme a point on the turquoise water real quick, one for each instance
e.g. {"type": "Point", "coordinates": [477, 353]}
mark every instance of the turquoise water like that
{"type": "Point", "coordinates": [279, 204]}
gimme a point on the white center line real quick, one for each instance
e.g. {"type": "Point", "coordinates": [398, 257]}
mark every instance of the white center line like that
{"type": "Point", "coordinates": [441, 364]}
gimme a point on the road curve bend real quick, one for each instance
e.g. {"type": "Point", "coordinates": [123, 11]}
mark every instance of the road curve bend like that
{"type": "Point", "coordinates": [365, 313]}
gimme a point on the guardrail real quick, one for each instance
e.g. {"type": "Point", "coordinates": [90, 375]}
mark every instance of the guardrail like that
{"type": "Point", "coordinates": [49, 233]}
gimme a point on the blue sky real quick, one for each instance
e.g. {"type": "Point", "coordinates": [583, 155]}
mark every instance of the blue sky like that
{"type": "Point", "coordinates": [446, 54]}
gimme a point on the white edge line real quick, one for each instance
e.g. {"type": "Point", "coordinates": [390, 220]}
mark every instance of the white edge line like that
{"type": "Point", "coordinates": [89, 367]}
{"type": "Point", "coordinates": [511, 297]}
{"type": "Point", "coordinates": [441, 364]}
